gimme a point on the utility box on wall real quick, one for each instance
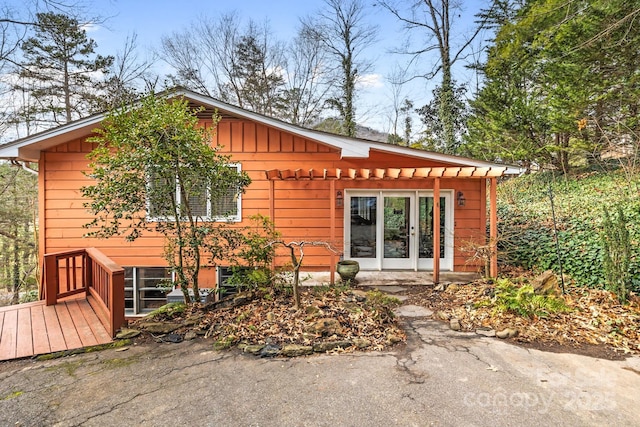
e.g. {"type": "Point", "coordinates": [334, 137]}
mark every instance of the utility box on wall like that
{"type": "Point", "coordinates": [176, 295]}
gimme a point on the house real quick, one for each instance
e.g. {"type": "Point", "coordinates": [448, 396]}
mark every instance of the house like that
{"type": "Point", "coordinates": [386, 206]}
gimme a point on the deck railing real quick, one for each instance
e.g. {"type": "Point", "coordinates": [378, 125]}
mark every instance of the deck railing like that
{"type": "Point", "coordinates": [86, 271]}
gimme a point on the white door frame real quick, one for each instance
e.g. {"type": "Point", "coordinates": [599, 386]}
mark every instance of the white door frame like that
{"type": "Point", "coordinates": [414, 262]}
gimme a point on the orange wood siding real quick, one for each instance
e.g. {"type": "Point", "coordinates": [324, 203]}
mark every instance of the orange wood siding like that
{"type": "Point", "coordinates": [302, 208]}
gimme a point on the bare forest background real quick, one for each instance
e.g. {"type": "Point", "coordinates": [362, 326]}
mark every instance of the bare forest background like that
{"type": "Point", "coordinates": [557, 84]}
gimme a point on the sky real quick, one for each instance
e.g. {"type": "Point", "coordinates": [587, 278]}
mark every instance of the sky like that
{"type": "Point", "coordinates": [152, 19]}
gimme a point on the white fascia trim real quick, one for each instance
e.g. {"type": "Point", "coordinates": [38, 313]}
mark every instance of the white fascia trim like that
{"type": "Point", "coordinates": [29, 148]}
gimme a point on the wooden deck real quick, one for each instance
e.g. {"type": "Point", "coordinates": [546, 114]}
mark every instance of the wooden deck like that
{"type": "Point", "coordinates": [34, 328]}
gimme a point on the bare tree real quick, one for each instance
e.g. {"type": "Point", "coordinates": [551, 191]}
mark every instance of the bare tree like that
{"type": "Point", "coordinates": [342, 29]}
{"type": "Point", "coordinates": [239, 64]}
{"type": "Point", "coordinates": [400, 117]}
{"type": "Point", "coordinates": [257, 74]}
{"type": "Point", "coordinates": [307, 80]}
{"type": "Point", "coordinates": [434, 20]}
{"type": "Point", "coordinates": [127, 75]}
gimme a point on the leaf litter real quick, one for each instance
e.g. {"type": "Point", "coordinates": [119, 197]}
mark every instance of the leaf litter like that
{"type": "Point", "coordinates": [595, 316]}
{"type": "Point", "coordinates": [354, 318]}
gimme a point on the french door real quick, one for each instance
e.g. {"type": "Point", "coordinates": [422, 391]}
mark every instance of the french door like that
{"type": "Point", "coordinates": [394, 229]}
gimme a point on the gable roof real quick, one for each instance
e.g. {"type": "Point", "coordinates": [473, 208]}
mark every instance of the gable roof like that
{"type": "Point", "coordinates": [29, 148]}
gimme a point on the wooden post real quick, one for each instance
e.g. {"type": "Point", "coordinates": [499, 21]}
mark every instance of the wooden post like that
{"type": "Point", "coordinates": [42, 242]}
{"type": "Point", "coordinates": [272, 192]}
{"type": "Point", "coordinates": [272, 212]}
{"type": "Point", "coordinates": [493, 227]}
{"type": "Point", "coordinates": [116, 303]}
{"type": "Point", "coordinates": [436, 230]}
{"type": "Point", "coordinates": [332, 207]}
{"type": "Point", "coordinates": [51, 280]}
{"type": "Point", "coordinates": [87, 267]}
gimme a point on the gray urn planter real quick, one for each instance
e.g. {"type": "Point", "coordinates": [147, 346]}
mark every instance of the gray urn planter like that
{"type": "Point", "coordinates": [347, 269]}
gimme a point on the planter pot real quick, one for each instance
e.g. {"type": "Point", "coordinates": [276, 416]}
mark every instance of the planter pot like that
{"type": "Point", "coordinates": [347, 269]}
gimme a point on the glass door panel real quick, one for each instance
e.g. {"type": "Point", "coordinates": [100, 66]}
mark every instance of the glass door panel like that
{"type": "Point", "coordinates": [425, 226]}
{"type": "Point", "coordinates": [397, 245]}
{"type": "Point", "coordinates": [396, 227]}
{"type": "Point", "coordinates": [363, 233]}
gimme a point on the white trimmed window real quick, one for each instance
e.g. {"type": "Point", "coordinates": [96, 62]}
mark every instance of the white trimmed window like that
{"type": "Point", "coordinates": [145, 289]}
{"type": "Point", "coordinates": [205, 204]}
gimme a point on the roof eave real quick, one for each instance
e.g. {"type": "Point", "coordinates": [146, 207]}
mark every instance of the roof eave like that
{"type": "Point", "coordinates": [29, 148]}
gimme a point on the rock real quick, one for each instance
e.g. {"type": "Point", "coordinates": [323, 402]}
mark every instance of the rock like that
{"type": "Point", "coordinates": [486, 332]}
{"type": "Point", "coordinates": [352, 307]}
{"type": "Point", "coordinates": [319, 304]}
{"type": "Point", "coordinates": [312, 312]}
{"type": "Point", "coordinates": [393, 338]}
{"type": "Point", "coordinates": [172, 338]}
{"type": "Point", "coordinates": [269, 350]}
{"type": "Point", "coordinates": [295, 350]}
{"type": "Point", "coordinates": [507, 333]}
{"type": "Point", "coordinates": [362, 343]}
{"type": "Point", "coordinates": [193, 320]}
{"type": "Point", "coordinates": [241, 299]}
{"type": "Point", "coordinates": [323, 347]}
{"type": "Point", "coordinates": [127, 333]}
{"type": "Point", "coordinates": [453, 288]}
{"type": "Point", "coordinates": [546, 284]}
{"type": "Point", "coordinates": [253, 348]}
{"type": "Point", "coordinates": [326, 327]}
{"type": "Point", "coordinates": [441, 315]}
{"type": "Point", "coordinates": [391, 289]}
{"type": "Point", "coordinates": [359, 295]}
{"type": "Point", "coordinates": [454, 324]}
{"type": "Point", "coordinates": [160, 327]}
{"type": "Point", "coordinates": [412, 311]}
{"type": "Point", "coordinates": [190, 335]}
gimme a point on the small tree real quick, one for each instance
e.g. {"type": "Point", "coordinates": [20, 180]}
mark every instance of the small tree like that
{"type": "Point", "coordinates": [616, 256]}
{"type": "Point", "coordinates": [155, 170]}
{"type": "Point", "coordinates": [296, 262]}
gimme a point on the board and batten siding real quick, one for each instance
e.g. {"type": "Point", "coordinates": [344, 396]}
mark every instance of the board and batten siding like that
{"type": "Point", "coordinates": [302, 208]}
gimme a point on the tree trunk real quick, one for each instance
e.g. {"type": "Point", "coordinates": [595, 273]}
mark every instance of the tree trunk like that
{"type": "Point", "coordinates": [16, 273]}
{"type": "Point", "coordinates": [446, 106]}
{"type": "Point", "coordinates": [349, 89]}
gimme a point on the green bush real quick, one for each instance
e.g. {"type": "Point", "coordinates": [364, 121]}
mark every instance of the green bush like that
{"type": "Point", "coordinates": [616, 254]}
{"type": "Point", "coordinates": [526, 227]}
{"type": "Point", "coordinates": [29, 296]}
{"type": "Point", "coordinates": [523, 301]}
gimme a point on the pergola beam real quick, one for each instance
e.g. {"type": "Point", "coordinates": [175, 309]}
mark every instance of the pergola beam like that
{"type": "Point", "coordinates": [387, 173]}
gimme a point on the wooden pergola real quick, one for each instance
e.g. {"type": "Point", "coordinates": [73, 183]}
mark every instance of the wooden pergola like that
{"type": "Point", "coordinates": [490, 174]}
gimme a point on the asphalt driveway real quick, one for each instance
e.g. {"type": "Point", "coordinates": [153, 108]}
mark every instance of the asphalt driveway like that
{"type": "Point", "coordinates": [440, 378]}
